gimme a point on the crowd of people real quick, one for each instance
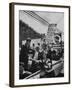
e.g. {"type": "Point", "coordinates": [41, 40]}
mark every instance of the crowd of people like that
{"type": "Point", "coordinates": [37, 57]}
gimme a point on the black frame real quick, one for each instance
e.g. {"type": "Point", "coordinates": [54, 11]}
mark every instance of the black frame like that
{"type": "Point", "coordinates": [11, 43]}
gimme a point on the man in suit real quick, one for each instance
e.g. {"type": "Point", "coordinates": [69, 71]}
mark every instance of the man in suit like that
{"type": "Point", "coordinates": [24, 53]}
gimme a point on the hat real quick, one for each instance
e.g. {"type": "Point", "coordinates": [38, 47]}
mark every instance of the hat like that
{"type": "Point", "coordinates": [28, 39]}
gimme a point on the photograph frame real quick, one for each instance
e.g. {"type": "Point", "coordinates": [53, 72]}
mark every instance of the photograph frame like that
{"type": "Point", "coordinates": [12, 47]}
